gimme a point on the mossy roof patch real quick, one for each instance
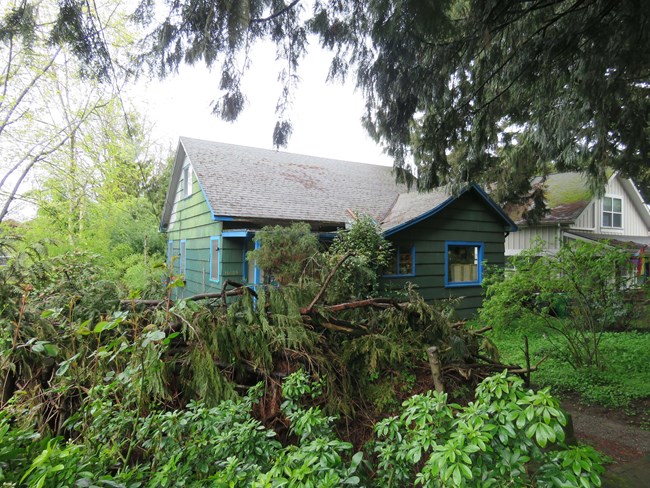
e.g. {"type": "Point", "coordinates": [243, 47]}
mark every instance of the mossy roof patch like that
{"type": "Point", "coordinates": [567, 189]}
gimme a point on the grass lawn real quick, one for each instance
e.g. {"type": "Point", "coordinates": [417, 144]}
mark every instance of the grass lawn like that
{"type": "Point", "coordinates": [624, 379]}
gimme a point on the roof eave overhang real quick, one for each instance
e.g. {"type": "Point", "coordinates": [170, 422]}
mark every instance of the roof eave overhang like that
{"type": "Point", "coordinates": [173, 183]}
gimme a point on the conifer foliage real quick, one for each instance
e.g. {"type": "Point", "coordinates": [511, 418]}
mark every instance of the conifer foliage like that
{"type": "Point", "coordinates": [487, 91]}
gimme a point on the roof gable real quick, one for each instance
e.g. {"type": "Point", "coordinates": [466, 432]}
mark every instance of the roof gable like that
{"type": "Point", "coordinates": [412, 208]}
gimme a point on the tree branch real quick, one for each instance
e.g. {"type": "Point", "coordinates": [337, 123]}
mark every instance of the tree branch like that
{"type": "Point", "coordinates": [276, 14]}
{"type": "Point", "coordinates": [320, 293]}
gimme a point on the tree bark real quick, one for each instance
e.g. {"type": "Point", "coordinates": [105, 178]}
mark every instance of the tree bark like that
{"type": "Point", "coordinates": [436, 371]}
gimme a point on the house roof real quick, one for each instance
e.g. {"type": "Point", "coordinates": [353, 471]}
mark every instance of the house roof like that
{"type": "Point", "coordinates": [251, 184]}
{"type": "Point", "coordinates": [624, 242]}
{"type": "Point", "coordinates": [568, 194]}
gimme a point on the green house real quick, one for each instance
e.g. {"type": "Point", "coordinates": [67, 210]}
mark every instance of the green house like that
{"type": "Point", "coordinates": [220, 194]}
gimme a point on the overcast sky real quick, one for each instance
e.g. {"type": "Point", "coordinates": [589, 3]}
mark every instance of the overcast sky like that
{"type": "Point", "coordinates": [326, 116]}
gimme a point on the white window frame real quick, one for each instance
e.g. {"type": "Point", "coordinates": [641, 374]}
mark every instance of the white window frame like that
{"type": "Point", "coordinates": [186, 181]}
{"type": "Point", "coordinates": [611, 212]}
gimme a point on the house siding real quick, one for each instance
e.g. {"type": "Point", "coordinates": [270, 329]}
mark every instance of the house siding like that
{"type": "Point", "coordinates": [587, 219]}
{"type": "Point", "coordinates": [232, 260]}
{"type": "Point", "coordinates": [191, 220]}
{"type": "Point", "coordinates": [468, 219]}
{"type": "Point", "coordinates": [525, 237]}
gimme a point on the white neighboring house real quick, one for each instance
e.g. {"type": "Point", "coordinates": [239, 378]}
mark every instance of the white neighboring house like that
{"type": "Point", "coordinates": [620, 216]}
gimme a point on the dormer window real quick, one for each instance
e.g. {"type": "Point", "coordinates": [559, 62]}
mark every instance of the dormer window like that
{"type": "Point", "coordinates": [613, 212]}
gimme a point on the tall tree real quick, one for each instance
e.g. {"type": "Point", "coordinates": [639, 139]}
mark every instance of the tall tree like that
{"type": "Point", "coordinates": [510, 88]}
{"type": "Point", "coordinates": [44, 100]}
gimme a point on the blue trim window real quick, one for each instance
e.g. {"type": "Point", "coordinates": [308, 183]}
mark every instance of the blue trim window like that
{"type": "Point", "coordinates": [182, 257]}
{"type": "Point", "coordinates": [402, 262]}
{"type": "Point", "coordinates": [215, 258]}
{"type": "Point", "coordinates": [170, 253]}
{"type": "Point", "coordinates": [463, 263]}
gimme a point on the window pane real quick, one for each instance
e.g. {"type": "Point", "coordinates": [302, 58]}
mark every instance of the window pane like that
{"type": "Point", "coordinates": [607, 219]}
{"type": "Point", "coordinates": [463, 263]}
{"type": "Point", "coordinates": [618, 221]}
{"type": "Point", "coordinates": [405, 262]}
{"type": "Point", "coordinates": [607, 204]}
{"type": "Point", "coordinates": [617, 204]}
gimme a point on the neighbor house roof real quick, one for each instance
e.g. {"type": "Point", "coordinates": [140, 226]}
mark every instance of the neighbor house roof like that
{"type": "Point", "coordinates": [568, 194]}
{"type": "Point", "coordinates": [624, 242]}
{"type": "Point", "coordinates": [251, 184]}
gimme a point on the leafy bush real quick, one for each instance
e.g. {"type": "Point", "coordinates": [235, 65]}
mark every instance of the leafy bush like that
{"type": "Point", "coordinates": [507, 437]}
{"type": "Point", "coordinates": [370, 253]}
{"type": "Point", "coordinates": [577, 292]}
{"type": "Point", "coordinates": [284, 252]}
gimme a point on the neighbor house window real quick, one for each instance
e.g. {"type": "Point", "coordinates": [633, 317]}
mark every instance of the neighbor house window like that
{"type": "Point", "coordinates": [463, 263]}
{"type": "Point", "coordinates": [182, 257]}
{"type": "Point", "coordinates": [215, 251]}
{"type": "Point", "coordinates": [402, 262]}
{"type": "Point", "coordinates": [612, 212]}
{"type": "Point", "coordinates": [170, 252]}
{"type": "Point", "coordinates": [187, 181]}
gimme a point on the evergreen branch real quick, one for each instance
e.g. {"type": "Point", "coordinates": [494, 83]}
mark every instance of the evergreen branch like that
{"type": "Point", "coordinates": [320, 293]}
{"type": "Point", "coordinates": [276, 14]}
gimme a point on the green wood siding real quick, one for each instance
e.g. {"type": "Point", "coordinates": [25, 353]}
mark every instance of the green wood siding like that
{"type": "Point", "coordinates": [467, 219]}
{"type": "Point", "coordinates": [232, 259]}
{"type": "Point", "coordinates": [192, 221]}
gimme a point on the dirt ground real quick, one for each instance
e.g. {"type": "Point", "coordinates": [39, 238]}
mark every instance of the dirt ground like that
{"type": "Point", "coordinates": [620, 437]}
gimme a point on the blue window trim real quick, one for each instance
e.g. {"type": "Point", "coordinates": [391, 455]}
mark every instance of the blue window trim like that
{"type": "Point", "coordinates": [400, 275]}
{"type": "Point", "coordinates": [257, 278]}
{"type": "Point", "coordinates": [182, 259]}
{"type": "Point", "coordinates": [218, 278]}
{"type": "Point", "coordinates": [458, 284]}
{"type": "Point", "coordinates": [170, 252]}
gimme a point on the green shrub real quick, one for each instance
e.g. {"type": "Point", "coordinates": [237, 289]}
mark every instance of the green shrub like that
{"type": "Point", "coordinates": [622, 379]}
{"type": "Point", "coordinates": [507, 437]}
{"type": "Point", "coordinates": [285, 252]}
{"type": "Point", "coordinates": [370, 253]}
{"type": "Point", "coordinates": [576, 293]}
